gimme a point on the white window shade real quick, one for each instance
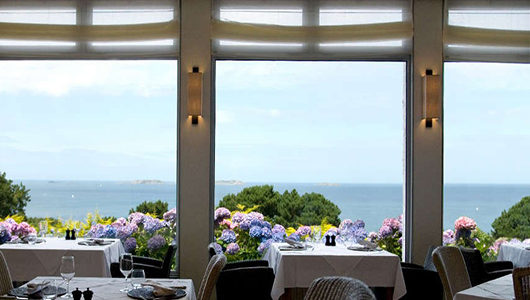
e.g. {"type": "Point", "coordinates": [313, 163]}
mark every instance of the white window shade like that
{"type": "Point", "coordinates": [89, 29]}
{"type": "Point", "coordinates": [305, 29]}
{"type": "Point", "coordinates": [479, 30]}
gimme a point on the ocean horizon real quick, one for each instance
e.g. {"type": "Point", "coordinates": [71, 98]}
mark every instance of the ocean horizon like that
{"type": "Point", "coordinates": [369, 202]}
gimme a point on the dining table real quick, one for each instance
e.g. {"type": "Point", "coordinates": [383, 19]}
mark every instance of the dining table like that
{"type": "Point", "coordinates": [517, 253]}
{"type": "Point", "coordinates": [109, 288]}
{"type": "Point", "coordinates": [27, 261]}
{"type": "Point", "coordinates": [497, 289]}
{"type": "Point", "coordinates": [298, 268]}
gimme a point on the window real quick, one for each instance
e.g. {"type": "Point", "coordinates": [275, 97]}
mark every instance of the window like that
{"type": "Point", "coordinates": [334, 128]}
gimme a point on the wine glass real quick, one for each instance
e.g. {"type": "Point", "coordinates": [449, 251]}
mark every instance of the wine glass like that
{"type": "Point", "coordinates": [67, 273]}
{"type": "Point", "coordinates": [137, 278]}
{"type": "Point", "coordinates": [43, 228]}
{"type": "Point", "coordinates": [126, 266]}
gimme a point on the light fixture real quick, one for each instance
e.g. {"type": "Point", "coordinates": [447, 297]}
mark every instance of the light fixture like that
{"type": "Point", "coordinates": [195, 95]}
{"type": "Point", "coordinates": [432, 97]}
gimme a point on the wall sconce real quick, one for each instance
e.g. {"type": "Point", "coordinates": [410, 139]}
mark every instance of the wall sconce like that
{"type": "Point", "coordinates": [432, 97]}
{"type": "Point", "coordinates": [195, 95]}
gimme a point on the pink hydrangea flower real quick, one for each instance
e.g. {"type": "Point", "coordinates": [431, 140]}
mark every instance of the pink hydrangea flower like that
{"type": "Point", "coordinates": [465, 223]}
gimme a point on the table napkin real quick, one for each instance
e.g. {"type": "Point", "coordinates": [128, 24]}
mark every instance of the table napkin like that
{"type": "Point", "coordinates": [159, 290]}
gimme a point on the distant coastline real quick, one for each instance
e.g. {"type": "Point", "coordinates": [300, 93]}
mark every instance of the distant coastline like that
{"type": "Point", "coordinates": [229, 182]}
{"type": "Point", "coordinates": [147, 181]}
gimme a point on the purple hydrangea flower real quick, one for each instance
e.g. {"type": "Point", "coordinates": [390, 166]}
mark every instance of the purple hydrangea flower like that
{"type": "Point", "coordinates": [129, 245]}
{"type": "Point", "coordinates": [220, 214]}
{"type": "Point", "coordinates": [303, 230]}
{"type": "Point", "coordinates": [109, 231]}
{"type": "Point", "coordinates": [228, 236]}
{"type": "Point", "coordinates": [232, 248]}
{"type": "Point", "coordinates": [373, 237]}
{"type": "Point", "coordinates": [23, 229]}
{"type": "Point", "coordinates": [346, 224]}
{"type": "Point", "coordinates": [359, 224]}
{"type": "Point", "coordinates": [278, 233]}
{"type": "Point", "coordinates": [171, 215]}
{"type": "Point", "coordinates": [156, 242]}
{"type": "Point", "coordinates": [255, 215]}
{"type": "Point", "coordinates": [151, 224]}
{"type": "Point", "coordinates": [385, 231]}
{"type": "Point", "coordinates": [238, 217]}
{"type": "Point", "coordinates": [359, 233]}
{"type": "Point", "coordinates": [448, 237]}
{"type": "Point", "coordinates": [255, 231]}
{"type": "Point", "coordinates": [256, 222]}
{"type": "Point", "coordinates": [119, 222]}
{"type": "Point", "coordinates": [264, 246]}
{"type": "Point", "coordinates": [400, 241]}
{"type": "Point", "coordinates": [126, 231]}
{"type": "Point", "coordinates": [333, 231]}
{"type": "Point", "coordinates": [137, 218]}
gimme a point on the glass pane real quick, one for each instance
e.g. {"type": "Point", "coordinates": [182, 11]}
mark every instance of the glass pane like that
{"type": "Point", "coordinates": [486, 138]}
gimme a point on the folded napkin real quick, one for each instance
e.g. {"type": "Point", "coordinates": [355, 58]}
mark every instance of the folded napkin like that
{"type": "Point", "coordinates": [95, 242]}
{"type": "Point", "coordinates": [367, 244]}
{"type": "Point", "coordinates": [160, 290]}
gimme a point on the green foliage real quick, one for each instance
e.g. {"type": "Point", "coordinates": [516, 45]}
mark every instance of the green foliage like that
{"type": "Point", "coordinates": [13, 197]}
{"type": "Point", "coordinates": [289, 209]}
{"type": "Point", "coordinates": [157, 208]}
{"type": "Point", "coordinates": [514, 223]}
{"type": "Point", "coordinates": [483, 242]}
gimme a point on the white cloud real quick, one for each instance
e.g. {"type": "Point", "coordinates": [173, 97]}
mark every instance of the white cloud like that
{"type": "Point", "coordinates": [224, 117]}
{"type": "Point", "coordinates": [59, 78]}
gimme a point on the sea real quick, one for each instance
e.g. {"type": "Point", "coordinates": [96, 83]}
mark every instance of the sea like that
{"type": "Point", "coordinates": [369, 202]}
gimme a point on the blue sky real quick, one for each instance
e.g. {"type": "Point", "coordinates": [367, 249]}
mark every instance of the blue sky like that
{"type": "Point", "coordinates": [276, 121]}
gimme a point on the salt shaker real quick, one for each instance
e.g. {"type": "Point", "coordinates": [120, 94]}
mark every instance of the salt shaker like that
{"type": "Point", "coordinates": [87, 295]}
{"type": "Point", "coordinates": [67, 234]}
{"type": "Point", "coordinates": [77, 294]}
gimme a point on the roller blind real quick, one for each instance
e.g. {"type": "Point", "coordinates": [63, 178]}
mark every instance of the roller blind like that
{"type": "Point", "coordinates": [89, 29]}
{"type": "Point", "coordinates": [307, 29]}
{"type": "Point", "coordinates": [497, 31]}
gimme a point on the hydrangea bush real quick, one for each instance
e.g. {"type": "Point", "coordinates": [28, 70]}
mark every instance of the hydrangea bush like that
{"type": "Point", "coordinates": [11, 230]}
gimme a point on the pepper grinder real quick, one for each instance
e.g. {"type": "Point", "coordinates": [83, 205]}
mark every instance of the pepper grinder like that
{"type": "Point", "coordinates": [333, 241]}
{"type": "Point", "coordinates": [73, 235]}
{"type": "Point", "coordinates": [87, 295]}
{"type": "Point", "coordinates": [67, 234]}
{"type": "Point", "coordinates": [77, 294]}
{"type": "Point", "coordinates": [328, 242]}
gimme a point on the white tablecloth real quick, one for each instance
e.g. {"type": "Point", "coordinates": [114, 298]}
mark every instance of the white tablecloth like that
{"type": "Point", "coordinates": [109, 288]}
{"type": "Point", "coordinates": [26, 261]}
{"type": "Point", "coordinates": [299, 268]}
{"type": "Point", "coordinates": [500, 288]}
{"type": "Point", "coordinates": [515, 253]}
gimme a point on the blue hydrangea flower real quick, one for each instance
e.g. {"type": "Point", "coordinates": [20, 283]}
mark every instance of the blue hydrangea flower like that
{"type": "Point", "coordinates": [245, 225]}
{"type": "Point", "coordinates": [278, 233]}
{"type": "Point", "coordinates": [266, 233]}
{"type": "Point", "coordinates": [218, 248]}
{"type": "Point", "coordinates": [232, 248]}
{"type": "Point", "coordinates": [256, 222]}
{"type": "Point", "coordinates": [266, 224]}
{"type": "Point", "coordinates": [4, 234]}
{"type": "Point", "coordinates": [294, 237]}
{"type": "Point", "coordinates": [220, 214]}
{"type": "Point", "coordinates": [228, 236]}
{"type": "Point", "coordinates": [109, 232]}
{"type": "Point", "coordinates": [255, 231]}
{"type": "Point", "coordinates": [238, 217]}
{"type": "Point", "coordinates": [156, 242]}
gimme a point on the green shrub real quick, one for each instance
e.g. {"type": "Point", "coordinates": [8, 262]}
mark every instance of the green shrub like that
{"type": "Point", "coordinates": [514, 223]}
{"type": "Point", "coordinates": [157, 208]}
{"type": "Point", "coordinates": [289, 209]}
{"type": "Point", "coordinates": [13, 197]}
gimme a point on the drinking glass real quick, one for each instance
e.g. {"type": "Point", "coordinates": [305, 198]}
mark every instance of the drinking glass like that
{"type": "Point", "coordinates": [43, 228]}
{"type": "Point", "coordinates": [67, 273]}
{"type": "Point", "coordinates": [137, 278]}
{"type": "Point", "coordinates": [126, 266]}
{"type": "Point", "coordinates": [31, 238]}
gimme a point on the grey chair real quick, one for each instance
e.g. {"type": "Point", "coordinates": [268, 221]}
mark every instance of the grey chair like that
{"type": "Point", "coordinates": [338, 288]}
{"type": "Point", "coordinates": [213, 270]}
{"type": "Point", "coordinates": [521, 283]}
{"type": "Point", "coordinates": [5, 277]}
{"type": "Point", "coordinates": [452, 270]}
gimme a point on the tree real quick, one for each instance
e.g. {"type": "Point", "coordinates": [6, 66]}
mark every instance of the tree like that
{"type": "Point", "coordinates": [289, 209]}
{"type": "Point", "coordinates": [13, 197]}
{"type": "Point", "coordinates": [514, 223]}
{"type": "Point", "coordinates": [157, 208]}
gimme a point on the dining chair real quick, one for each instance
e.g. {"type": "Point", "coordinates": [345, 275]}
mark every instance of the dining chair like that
{"type": "Point", "coordinates": [213, 270]}
{"type": "Point", "coordinates": [521, 283]}
{"type": "Point", "coordinates": [451, 267]}
{"type": "Point", "coordinates": [422, 280]}
{"type": "Point", "coordinates": [153, 268]}
{"type": "Point", "coordinates": [480, 271]}
{"type": "Point", "coordinates": [338, 288]}
{"type": "Point", "coordinates": [5, 277]}
{"type": "Point", "coordinates": [237, 283]}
